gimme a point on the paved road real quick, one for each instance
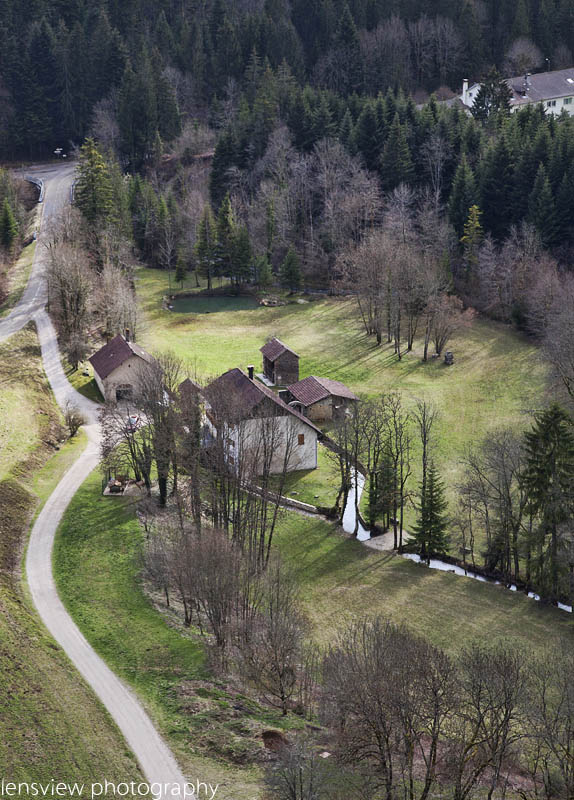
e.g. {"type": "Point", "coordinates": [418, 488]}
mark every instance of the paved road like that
{"type": "Point", "coordinates": [155, 759]}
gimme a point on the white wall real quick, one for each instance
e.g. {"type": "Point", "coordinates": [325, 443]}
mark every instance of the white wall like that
{"type": "Point", "coordinates": [126, 373]}
{"type": "Point", "coordinates": [286, 431]}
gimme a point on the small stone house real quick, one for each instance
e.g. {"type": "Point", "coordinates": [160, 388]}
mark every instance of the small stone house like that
{"type": "Point", "coordinates": [320, 399]}
{"type": "Point", "coordinates": [255, 423]}
{"type": "Point", "coordinates": [280, 363]}
{"type": "Point", "coordinates": [117, 366]}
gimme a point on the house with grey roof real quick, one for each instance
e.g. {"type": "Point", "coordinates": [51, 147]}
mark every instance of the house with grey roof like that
{"type": "Point", "coordinates": [117, 366]}
{"type": "Point", "coordinates": [320, 399]}
{"type": "Point", "coordinates": [554, 90]}
{"type": "Point", "coordinates": [257, 427]}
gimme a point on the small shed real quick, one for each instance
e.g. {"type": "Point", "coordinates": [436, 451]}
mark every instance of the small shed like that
{"type": "Point", "coordinates": [280, 363]}
{"type": "Point", "coordinates": [320, 398]}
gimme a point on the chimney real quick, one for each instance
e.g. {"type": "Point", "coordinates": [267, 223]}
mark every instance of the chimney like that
{"type": "Point", "coordinates": [465, 91]}
{"type": "Point", "coordinates": [251, 371]}
{"type": "Point", "coordinates": [127, 336]}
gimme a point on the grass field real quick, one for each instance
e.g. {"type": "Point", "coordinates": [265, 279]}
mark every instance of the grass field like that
{"type": "Point", "coordinates": [341, 580]}
{"type": "Point", "coordinates": [497, 380]}
{"type": "Point", "coordinates": [51, 725]}
{"type": "Point", "coordinates": [97, 568]}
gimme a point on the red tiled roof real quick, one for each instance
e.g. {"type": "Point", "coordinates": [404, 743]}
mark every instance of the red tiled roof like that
{"type": "Point", "coordinates": [275, 348]}
{"type": "Point", "coordinates": [311, 390]}
{"type": "Point", "coordinates": [241, 396]}
{"type": "Point", "coordinates": [113, 354]}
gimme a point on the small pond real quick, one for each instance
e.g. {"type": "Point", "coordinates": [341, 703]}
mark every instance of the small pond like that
{"type": "Point", "coordinates": [202, 304]}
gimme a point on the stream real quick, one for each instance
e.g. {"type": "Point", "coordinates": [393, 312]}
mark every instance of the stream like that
{"type": "Point", "coordinates": [363, 535]}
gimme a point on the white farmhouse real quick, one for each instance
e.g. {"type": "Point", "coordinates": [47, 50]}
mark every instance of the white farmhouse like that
{"type": "Point", "coordinates": [257, 427]}
{"type": "Point", "coordinates": [117, 366]}
{"type": "Point", "coordinates": [554, 90]}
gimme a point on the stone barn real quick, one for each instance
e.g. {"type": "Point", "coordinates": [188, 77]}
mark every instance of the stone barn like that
{"type": "Point", "coordinates": [280, 363]}
{"type": "Point", "coordinates": [117, 366]}
{"type": "Point", "coordinates": [320, 399]}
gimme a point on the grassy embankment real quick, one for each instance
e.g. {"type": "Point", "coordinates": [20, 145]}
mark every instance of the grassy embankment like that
{"type": "Point", "coordinates": [51, 725]}
{"type": "Point", "coordinates": [213, 728]}
{"type": "Point", "coordinates": [18, 271]}
{"type": "Point", "coordinates": [496, 381]}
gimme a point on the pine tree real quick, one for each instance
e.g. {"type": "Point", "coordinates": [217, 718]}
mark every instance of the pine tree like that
{"type": "Point", "coordinates": [472, 238]}
{"type": "Point", "coordinates": [223, 160]}
{"type": "Point", "coordinates": [463, 195]}
{"type": "Point", "coordinates": [180, 268]}
{"type": "Point", "coordinates": [496, 189]}
{"type": "Point", "coordinates": [8, 226]}
{"type": "Point", "coordinates": [93, 193]}
{"type": "Point", "coordinates": [396, 163]}
{"type": "Point", "coordinates": [206, 247]}
{"type": "Point", "coordinates": [291, 271]}
{"type": "Point", "coordinates": [541, 208]}
{"type": "Point", "coordinates": [225, 232]}
{"type": "Point", "coordinates": [549, 482]}
{"type": "Point", "coordinates": [493, 98]}
{"type": "Point", "coordinates": [432, 522]}
{"type": "Point", "coordinates": [565, 204]}
{"type": "Point", "coordinates": [263, 274]}
{"type": "Point", "coordinates": [241, 256]}
{"type": "Point", "coordinates": [368, 136]}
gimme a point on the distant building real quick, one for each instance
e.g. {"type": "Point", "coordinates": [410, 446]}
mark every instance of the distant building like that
{"type": "Point", "coordinates": [255, 423]}
{"type": "Point", "coordinates": [117, 366]}
{"type": "Point", "coordinates": [280, 363]}
{"type": "Point", "coordinates": [554, 90]}
{"type": "Point", "coordinates": [320, 398]}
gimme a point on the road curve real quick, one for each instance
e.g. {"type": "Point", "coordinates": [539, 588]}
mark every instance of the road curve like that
{"type": "Point", "coordinates": [155, 758]}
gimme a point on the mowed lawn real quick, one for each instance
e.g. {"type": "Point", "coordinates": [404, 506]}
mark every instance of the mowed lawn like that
{"type": "Point", "coordinates": [497, 380]}
{"type": "Point", "coordinates": [51, 725]}
{"type": "Point", "coordinates": [342, 580]}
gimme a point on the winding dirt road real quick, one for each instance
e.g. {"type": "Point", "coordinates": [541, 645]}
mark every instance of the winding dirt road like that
{"type": "Point", "coordinates": [155, 758]}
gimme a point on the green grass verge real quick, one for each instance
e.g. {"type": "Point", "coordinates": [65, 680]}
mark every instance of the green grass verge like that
{"type": "Point", "coordinates": [51, 725]}
{"type": "Point", "coordinates": [212, 727]}
{"type": "Point", "coordinates": [83, 384]}
{"type": "Point", "coordinates": [17, 278]}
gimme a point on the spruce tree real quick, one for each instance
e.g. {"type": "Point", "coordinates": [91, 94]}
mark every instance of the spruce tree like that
{"type": "Point", "coordinates": [225, 232]}
{"type": "Point", "coordinates": [206, 247]}
{"type": "Point", "coordinates": [493, 98]}
{"type": "Point", "coordinates": [549, 481]}
{"type": "Point", "coordinates": [463, 195]}
{"type": "Point", "coordinates": [241, 256]}
{"type": "Point", "coordinates": [396, 163]}
{"type": "Point", "coordinates": [541, 208]}
{"type": "Point", "coordinates": [367, 138]}
{"type": "Point", "coordinates": [180, 268]}
{"type": "Point", "coordinates": [223, 160]}
{"type": "Point", "coordinates": [8, 226]}
{"type": "Point", "coordinates": [263, 273]}
{"type": "Point", "coordinates": [432, 522]}
{"type": "Point", "coordinates": [93, 192]}
{"type": "Point", "coordinates": [472, 238]}
{"type": "Point", "coordinates": [291, 271]}
{"type": "Point", "coordinates": [496, 189]}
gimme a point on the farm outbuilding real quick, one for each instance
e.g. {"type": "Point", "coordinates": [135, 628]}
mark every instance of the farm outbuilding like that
{"type": "Point", "coordinates": [280, 363]}
{"type": "Point", "coordinates": [320, 399]}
